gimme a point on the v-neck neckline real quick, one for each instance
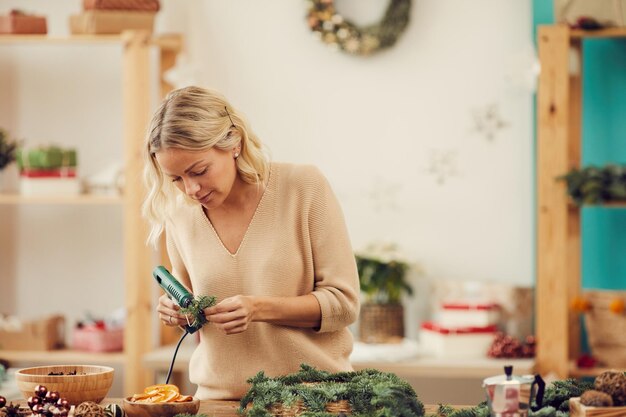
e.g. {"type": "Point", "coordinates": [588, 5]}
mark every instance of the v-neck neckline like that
{"type": "Point", "coordinates": [250, 224]}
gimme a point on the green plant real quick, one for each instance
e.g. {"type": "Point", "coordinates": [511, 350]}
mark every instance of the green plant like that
{"type": "Point", "coordinates": [595, 185]}
{"type": "Point", "coordinates": [7, 149]}
{"type": "Point", "coordinates": [382, 274]}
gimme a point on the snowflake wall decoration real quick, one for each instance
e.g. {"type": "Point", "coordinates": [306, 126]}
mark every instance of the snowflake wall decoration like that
{"type": "Point", "coordinates": [442, 165]}
{"type": "Point", "coordinates": [383, 194]}
{"type": "Point", "coordinates": [488, 122]}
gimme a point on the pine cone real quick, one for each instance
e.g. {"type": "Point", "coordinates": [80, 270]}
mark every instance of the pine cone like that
{"type": "Point", "coordinates": [593, 398]}
{"type": "Point", "coordinates": [89, 409]}
{"type": "Point", "coordinates": [613, 383]}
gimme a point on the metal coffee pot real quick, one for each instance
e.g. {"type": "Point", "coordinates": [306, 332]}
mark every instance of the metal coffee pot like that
{"type": "Point", "coordinates": [510, 395]}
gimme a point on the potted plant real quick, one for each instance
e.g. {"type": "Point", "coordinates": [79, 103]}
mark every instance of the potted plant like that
{"type": "Point", "coordinates": [8, 149]}
{"type": "Point", "coordinates": [382, 276]}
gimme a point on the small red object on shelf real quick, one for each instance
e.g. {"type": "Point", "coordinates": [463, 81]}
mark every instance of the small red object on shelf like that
{"type": "Point", "coordinates": [20, 23]}
{"type": "Point", "coordinates": [586, 361]}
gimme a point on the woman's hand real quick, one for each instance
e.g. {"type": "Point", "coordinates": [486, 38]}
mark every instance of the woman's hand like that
{"type": "Point", "coordinates": [168, 312]}
{"type": "Point", "coordinates": [232, 315]}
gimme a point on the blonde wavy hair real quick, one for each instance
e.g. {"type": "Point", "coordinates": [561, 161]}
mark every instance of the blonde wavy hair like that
{"type": "Point", "coordinates": [195, 119]}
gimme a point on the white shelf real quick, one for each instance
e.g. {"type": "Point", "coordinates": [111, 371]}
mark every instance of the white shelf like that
{"type": "Point", "coordinates": [81, 199]}
{"type": "Point", "coordinates": [61, 356]}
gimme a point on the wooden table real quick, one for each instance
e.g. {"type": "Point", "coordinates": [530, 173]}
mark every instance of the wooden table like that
{"type": "Point", "coordinates": [229, 408]}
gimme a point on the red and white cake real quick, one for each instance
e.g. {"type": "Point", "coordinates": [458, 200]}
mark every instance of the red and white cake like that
{"type": "Point", "coordinates": [456, 342]}
{"type": "Point", "coordinates": [465, 314]}
{"type": "Point", "coordinates": [462, 329]}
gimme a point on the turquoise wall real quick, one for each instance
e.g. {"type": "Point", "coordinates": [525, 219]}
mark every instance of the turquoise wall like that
{"type": "Point", "coordinates": [604, 141]}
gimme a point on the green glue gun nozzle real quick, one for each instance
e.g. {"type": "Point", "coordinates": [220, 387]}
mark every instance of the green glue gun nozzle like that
{"type": "Point", "coordinates": [175, 290]}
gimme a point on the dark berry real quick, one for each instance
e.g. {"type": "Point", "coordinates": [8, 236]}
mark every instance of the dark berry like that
{"type": "Point", "coordinates": [63, 403]}
{"type": "Point", "coordinates": [38, 409]}
{"type": "Point", "coordinates": [32, 401]}
{"type": "Point", "coordinates": [3, 401]}
{"type": "Point", "coordinates": [52, 397]}
{"type": "Point", "coordinates": [41, 391]}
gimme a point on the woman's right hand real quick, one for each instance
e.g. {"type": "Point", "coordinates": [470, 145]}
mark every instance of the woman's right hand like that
{"type": "Point", "coordinates": [169, 312]}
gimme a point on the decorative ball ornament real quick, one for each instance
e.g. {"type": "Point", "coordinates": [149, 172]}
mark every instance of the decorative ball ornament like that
{"type": "Point", "coordinates": [340, 33]}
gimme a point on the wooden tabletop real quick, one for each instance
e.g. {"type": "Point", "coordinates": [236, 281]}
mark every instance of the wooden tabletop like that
{"type": "Point", "coordinates": [229, 408]}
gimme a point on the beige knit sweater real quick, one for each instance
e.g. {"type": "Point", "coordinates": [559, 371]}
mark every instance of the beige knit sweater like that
{"type": "Point", "coordinates": [296, 244]}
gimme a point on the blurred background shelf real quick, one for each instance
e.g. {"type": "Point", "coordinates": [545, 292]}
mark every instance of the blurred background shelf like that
{"type": "Point", "coordinates": [61, 356]}
{"type": "Point", "coordinates": [83, 199]}
{"type": "Point", "coordinates": [576, 372]}
{"type": "Point", "coordinates": [137, 73]}
{"type": "Point", "coordinates": [165, 42]}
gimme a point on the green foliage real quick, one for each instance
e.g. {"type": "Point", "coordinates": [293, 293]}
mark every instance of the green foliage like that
{"type": "Point", "coordinates": [561, 391]}
{"type": "Point", "coordinates": [480, 410]}
{"type": "Point", "coordinates": [594, 185]}
{"type": "Point", "coordinates": [543, 412]}
{"type": "Point", "coordinates": [382, 281]}
{"type": "Point", "coordinates": [196, 307]}
{"type": "Point", "coordinates": [371, 393]}
{"type": "Point", "coordinates": [7, 149]}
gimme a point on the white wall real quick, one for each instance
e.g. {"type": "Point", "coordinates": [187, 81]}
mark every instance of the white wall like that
{"type": "Point", "coordinates": [373, 125]}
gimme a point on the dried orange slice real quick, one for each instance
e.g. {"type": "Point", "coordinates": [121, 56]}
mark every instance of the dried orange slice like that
{"type": "Point", "coordinates": [161, 387]}
{"type": "Point", "coordinates": [161, 393]}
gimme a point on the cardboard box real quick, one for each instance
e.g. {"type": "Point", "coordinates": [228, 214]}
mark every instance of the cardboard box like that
{"type": "Point", "coordinates": [23, 24]}
{"type": "Point", "coordinates": [44, 334]}
{"type": "Point", "coordinates": [111, 21]}
{"type": "Point", "coordinates": [145, 5]}
{"type": "Point", "coordinates": [92, 339]}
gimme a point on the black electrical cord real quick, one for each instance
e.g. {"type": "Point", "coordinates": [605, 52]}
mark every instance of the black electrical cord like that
{"type": "Point", "coordinates": [169, 373]}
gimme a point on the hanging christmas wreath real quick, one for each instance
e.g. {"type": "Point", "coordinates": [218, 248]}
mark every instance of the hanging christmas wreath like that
{"type": "Point", "coordinates": [338, 32]}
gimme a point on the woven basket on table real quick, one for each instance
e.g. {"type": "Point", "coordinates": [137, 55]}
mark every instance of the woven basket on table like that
{"type": "Point", "coordinates": [606, 330]}
{"type": "Point", "coordinates": [381, 323]}
{"type": "Point", "coordinates": [337, 407]}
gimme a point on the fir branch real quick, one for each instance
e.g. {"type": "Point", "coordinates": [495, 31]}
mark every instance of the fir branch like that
{"type": "Point", "coordinates": [196, 308]}
{"type": "Point", "coordinates": [369, 392]}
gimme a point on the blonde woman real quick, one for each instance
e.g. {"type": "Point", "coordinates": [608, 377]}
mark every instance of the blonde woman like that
{"type": "Point", "coordinates": [267, 239]}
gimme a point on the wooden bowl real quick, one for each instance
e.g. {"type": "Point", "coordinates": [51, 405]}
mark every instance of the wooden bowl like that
{"type": "Point", "coordinates": [91, 383]}
{"type": "Point", "coordinates": [135, 409]}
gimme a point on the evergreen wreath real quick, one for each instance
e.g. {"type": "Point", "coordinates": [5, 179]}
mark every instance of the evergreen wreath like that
{"type": "Point", "coordinates": [340, 33]}
{"type": "Point", "coordinates": [308, 392]}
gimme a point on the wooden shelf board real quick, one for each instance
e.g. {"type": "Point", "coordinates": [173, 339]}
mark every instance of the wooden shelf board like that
{"type": "Point", "coordinates": [172, 42]}
{"type": "Point", "coordinates": [610, 205]}
{"type": "Point", "coordinates": [82, 199]}
{"type": "Point", "coordinates": [61, 356]}
{"type": "Point", "coordinates": [602, 33]}
{"type": "Point", "coordinates": [576, 372]}
{"type": "Point", "coordinates": [159, 360]}
{"type": "Point", "coordinates": [74, 39]}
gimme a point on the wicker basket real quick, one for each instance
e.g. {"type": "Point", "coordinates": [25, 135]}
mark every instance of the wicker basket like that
{"type": "Point", "coordinates": [606, 330]}
{"type": "Point", "coordinates": [337, 407]}
{"type": "Point", "coordinates": [381, 323]}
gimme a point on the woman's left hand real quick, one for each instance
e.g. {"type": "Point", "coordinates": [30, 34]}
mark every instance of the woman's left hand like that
{"type": "Point", "coordinates": [232, 315]}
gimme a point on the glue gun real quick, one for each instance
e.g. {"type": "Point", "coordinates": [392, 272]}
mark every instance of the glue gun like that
{"type": "Point", "coordinates": [175, 290]}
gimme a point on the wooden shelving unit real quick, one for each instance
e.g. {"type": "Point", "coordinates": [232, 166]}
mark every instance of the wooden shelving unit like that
{"type": "Point", "coordinates": [62, 356]}
{"type": "Point", "coordinates": [84, 199]}
{"type": "Point", "coordinates": [136, 69]}
{"type": "Point", "coordinates": [559, 112]}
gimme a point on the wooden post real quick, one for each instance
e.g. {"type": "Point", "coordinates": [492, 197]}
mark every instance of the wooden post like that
{"type": "Point", "coordinates": [138, 261]}
{"type": "Point", "coordinates": [171, 46]}
{"type": "Point", "coordinates": [558, 235]}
